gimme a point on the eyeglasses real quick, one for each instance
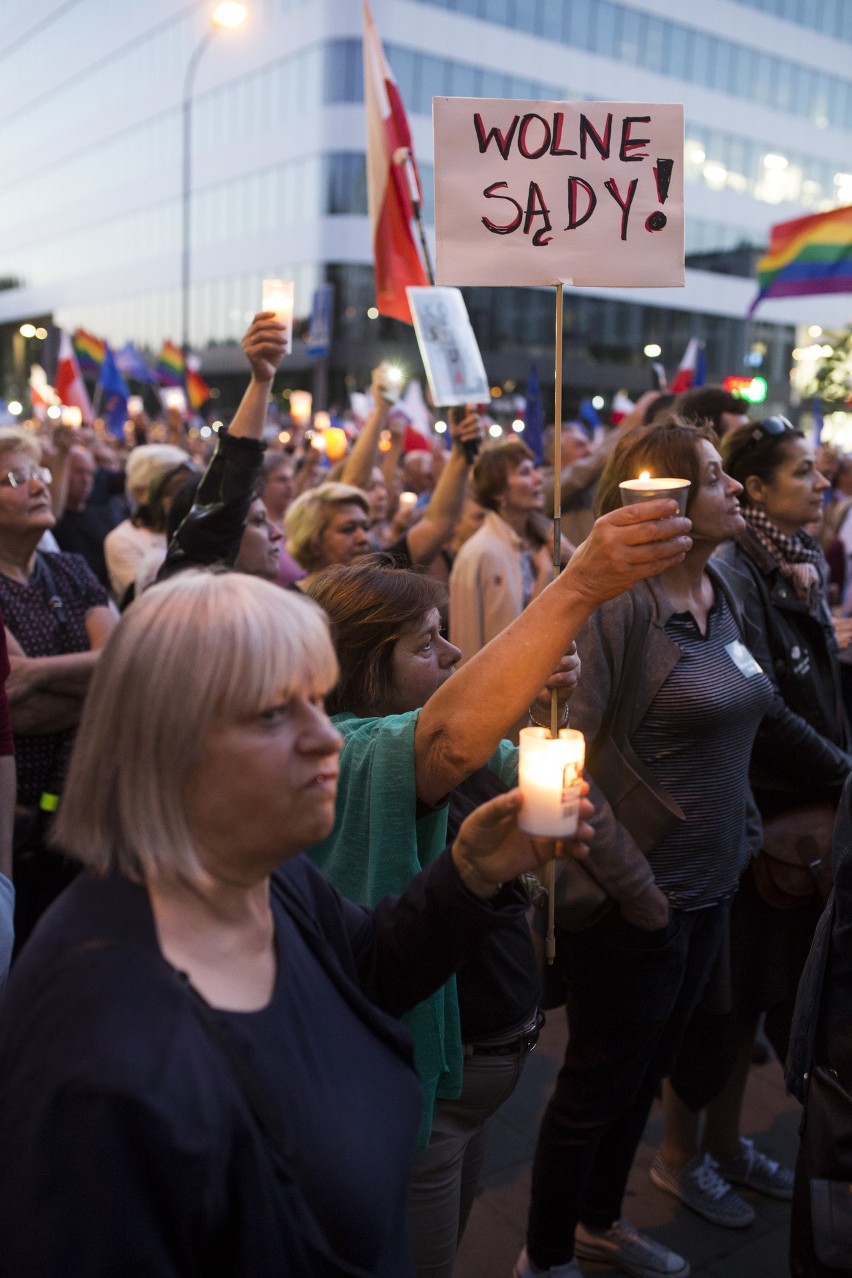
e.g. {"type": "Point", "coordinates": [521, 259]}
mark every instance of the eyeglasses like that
{"type": "Point", "coordinates": [770, 426]}
{"type": "Point", "coordinates": [25, 475]}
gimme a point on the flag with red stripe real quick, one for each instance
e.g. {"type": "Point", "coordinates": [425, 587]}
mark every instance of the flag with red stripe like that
{"type": "Point", "coordinates": [390, 160]}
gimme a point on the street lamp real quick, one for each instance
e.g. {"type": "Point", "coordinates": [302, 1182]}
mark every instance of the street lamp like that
{"type": "Point", "coordinates": [227, 15]}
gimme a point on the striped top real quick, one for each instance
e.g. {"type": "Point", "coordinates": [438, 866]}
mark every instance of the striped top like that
{"type": "Point", "coordinates": [696, 739]}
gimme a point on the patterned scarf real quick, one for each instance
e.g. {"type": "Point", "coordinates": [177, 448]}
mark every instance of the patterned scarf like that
{"type": "Point", "coordinates": [797, 556]}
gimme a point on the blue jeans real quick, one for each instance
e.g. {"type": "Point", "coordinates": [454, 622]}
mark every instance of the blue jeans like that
{"type": "Point", "coordinates": [631, 993]}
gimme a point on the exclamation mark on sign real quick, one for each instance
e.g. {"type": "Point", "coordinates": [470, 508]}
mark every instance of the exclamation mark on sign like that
{"type": "Point", "coordinates": [662, 176]}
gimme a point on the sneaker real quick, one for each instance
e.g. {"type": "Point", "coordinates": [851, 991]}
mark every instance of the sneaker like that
{"type": "Point", "coordinates": [523, 1269]}
{"type": "Point", "coordinates": [700, 1186]}
{"type": "Point", "coordinates": [756, 1171]}
{"type": "Point", "coordinates": [624, 1247]}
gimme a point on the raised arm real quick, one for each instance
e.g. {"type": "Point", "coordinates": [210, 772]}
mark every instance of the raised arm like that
{"type": "Point", "coordinates": [212, 531]}
{"type": "Point", "coordinates": [440, 517]}
{"type": "Point", "coordinates": [264, 348]}
{"type": "Point", "coordinates": [462, 723]}
{"type": "Point", "coordinates": [362, 459]}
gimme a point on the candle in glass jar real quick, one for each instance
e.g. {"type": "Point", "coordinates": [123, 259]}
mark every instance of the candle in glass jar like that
{"type": "Point", "coordinates": [550, 773]}
{"type": "Point", "coordinates": [645, 488]}
{"type": "Point", "coordinates": [278, 296]}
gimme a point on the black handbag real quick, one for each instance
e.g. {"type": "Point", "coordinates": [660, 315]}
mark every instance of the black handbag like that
{"type": "Point", "coordinates": [794, 862]}
{"type": "Point", "coordinates": [827, 1136]}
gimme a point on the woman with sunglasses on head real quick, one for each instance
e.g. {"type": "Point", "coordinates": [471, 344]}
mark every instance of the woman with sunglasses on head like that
{"type": "Point", "coordinates": [800, 757]}
{"type": "Point", "coordinates": [669, 702]}
{"type": "Point", "coordinates": [58, 617]}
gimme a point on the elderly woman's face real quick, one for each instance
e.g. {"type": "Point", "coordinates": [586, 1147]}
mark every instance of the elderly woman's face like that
{"type": "Point", "coordinates": [263, 788]}
{"type": "Point", "coordinates": [422, 660]}
{"type": "Point", "coordinates": [345, 535]}
{"type": "Point", "coordinates": [24, 495]}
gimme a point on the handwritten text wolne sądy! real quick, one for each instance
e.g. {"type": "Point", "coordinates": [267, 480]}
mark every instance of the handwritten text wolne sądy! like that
{"type": "Point", "coordinates": [533, 136]}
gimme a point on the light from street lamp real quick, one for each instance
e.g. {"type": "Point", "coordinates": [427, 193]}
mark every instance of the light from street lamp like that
{"type": "Point", "coordinates": [229, 14]}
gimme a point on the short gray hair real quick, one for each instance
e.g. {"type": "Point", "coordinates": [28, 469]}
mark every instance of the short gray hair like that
{"type": "Point", "coordinates": [147, 462]}
{"type": "Point", "coordinates": [197, 650]}
{"type": "Point", "coordinates": [15, 440]}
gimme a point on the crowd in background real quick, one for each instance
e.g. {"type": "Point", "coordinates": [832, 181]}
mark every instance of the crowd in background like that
{"type": "Point", "coordinates": [709, 666]}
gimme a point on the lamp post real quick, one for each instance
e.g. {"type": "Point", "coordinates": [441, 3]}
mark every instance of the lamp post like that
{"type": "Point", "coordinates": [227, 15]}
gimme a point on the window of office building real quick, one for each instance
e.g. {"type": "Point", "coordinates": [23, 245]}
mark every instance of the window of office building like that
{"type": "Point", "coordinates": [623, 32]}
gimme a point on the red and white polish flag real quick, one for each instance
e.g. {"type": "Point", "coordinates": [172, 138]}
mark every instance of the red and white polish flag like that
{"type": "Point", "coordinates": [70, 386]}
{"type": "Point", "coordinates": [390, 168]}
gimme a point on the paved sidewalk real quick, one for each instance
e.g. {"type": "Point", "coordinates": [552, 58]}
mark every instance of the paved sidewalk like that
{"type": "Point", "coordinates": [496, 1230]}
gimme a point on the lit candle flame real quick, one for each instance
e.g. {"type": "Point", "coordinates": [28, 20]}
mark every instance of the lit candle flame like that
{"type": "Point", "coordinates": [646, 474]}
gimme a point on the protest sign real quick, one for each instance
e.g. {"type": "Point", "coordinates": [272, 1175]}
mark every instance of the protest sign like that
{"type": "Point", "coordinates": [533, 193]}
{"type": "Point", "coordinates": [448, 346]}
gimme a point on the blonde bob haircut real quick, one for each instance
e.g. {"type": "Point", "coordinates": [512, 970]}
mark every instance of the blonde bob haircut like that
{"type": "Point", "coordinates": [309, 515]}
{"type": "Point", "coordinates": [201, 649]}
{"type": "Point", "coordinates": [14, 440]}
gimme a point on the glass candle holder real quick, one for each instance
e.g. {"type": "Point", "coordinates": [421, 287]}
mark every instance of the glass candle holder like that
{"type": "Point", "coordinates": [647, 489]}
{"type": "Point", "coordinates": [278, 296]}
{"type": "Point", "coordinates": [550, 773]}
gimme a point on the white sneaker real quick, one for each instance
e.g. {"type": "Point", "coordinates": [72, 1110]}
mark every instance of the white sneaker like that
{"type": "Point", "coordinates": [754, 1170]}
{"type": "Point", "coordinates": [624, 1247]}
{"type": "Point", "coordinates": [700, 1185]}
{"type": "Point", "coordinates": [523, 1269]}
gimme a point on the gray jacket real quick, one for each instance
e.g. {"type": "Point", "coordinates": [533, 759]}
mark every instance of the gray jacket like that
{"type": "Point", "coordinates": [603, 647]}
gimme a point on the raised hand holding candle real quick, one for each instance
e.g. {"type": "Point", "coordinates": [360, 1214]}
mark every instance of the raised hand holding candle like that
{"type": "Point", "coordinates": [550, 773]}
{"type": "Point", "coordinates": [278, 296]}
{"type": "Point", "coordinates": [646, 489]}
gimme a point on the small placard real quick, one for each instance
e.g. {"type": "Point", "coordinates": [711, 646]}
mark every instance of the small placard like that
{"type": "Point", "coordinates": [448, 347]}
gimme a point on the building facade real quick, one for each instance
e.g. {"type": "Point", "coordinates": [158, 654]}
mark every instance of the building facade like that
{"type": "Point", "coordinates": [93, 153]}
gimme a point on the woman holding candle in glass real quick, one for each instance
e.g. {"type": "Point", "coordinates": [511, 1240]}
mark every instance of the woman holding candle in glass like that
{"type": "Point", "coordinates": [412, 740]}
{"type": "Point", "coordinates": [671, 793]}
{"type": "Point", "coordinates": [800, 758]}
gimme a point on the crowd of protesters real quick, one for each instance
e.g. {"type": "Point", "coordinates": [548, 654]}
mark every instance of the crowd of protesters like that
{"type": "Point", "coordinates": [219, 1056]}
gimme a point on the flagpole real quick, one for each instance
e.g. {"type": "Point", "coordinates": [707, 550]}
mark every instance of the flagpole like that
{"type": "Point", "coordinates": [423, 244]}
{"type": "Point", "coordinates": [550, 940]}
{"type": "Point", "coordinates": [403, 157]}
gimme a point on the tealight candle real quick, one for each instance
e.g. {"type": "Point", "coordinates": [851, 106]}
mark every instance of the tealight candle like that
{"type": "Point", "coordinates": [550, 772]}
{"type": "Point", "coordinates": [646, 489]}
{"type": "Point", "coordinates": [278, 296]}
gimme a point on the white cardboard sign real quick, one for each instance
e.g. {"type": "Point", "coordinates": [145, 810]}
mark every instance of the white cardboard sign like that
{"type": "Point", "coordinates": [532, 193]}
{"type": "Point", "coordinates": [448, 346]}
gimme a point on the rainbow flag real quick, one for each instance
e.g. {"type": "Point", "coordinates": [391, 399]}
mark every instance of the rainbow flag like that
{"type": "Point", "coordinates": [170, 366]}
{"type": "Point", "coordinates": [807, 255]}
{"type": "Point", "coordinates": [197, 390]}
{"type": "Point", "coordinates": [90, 351]}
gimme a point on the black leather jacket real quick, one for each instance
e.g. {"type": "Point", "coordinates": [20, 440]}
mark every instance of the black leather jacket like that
{"type": "Point", "coordinates": [213, 529]}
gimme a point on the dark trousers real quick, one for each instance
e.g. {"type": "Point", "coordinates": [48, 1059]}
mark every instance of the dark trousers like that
{"type": "Point", "coordinates": [630, 995]}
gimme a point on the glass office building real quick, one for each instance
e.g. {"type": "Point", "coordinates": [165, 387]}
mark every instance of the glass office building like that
{"type": "Point", "coordinates": [92, 154]}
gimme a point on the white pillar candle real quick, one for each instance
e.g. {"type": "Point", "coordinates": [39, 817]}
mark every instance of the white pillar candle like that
{"type": "Point", "coordinates": [278, 296]}
{"type": "Point", "coordinates": [646, 489]}
{"type": "Point", "coordinates": [550, 772]}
